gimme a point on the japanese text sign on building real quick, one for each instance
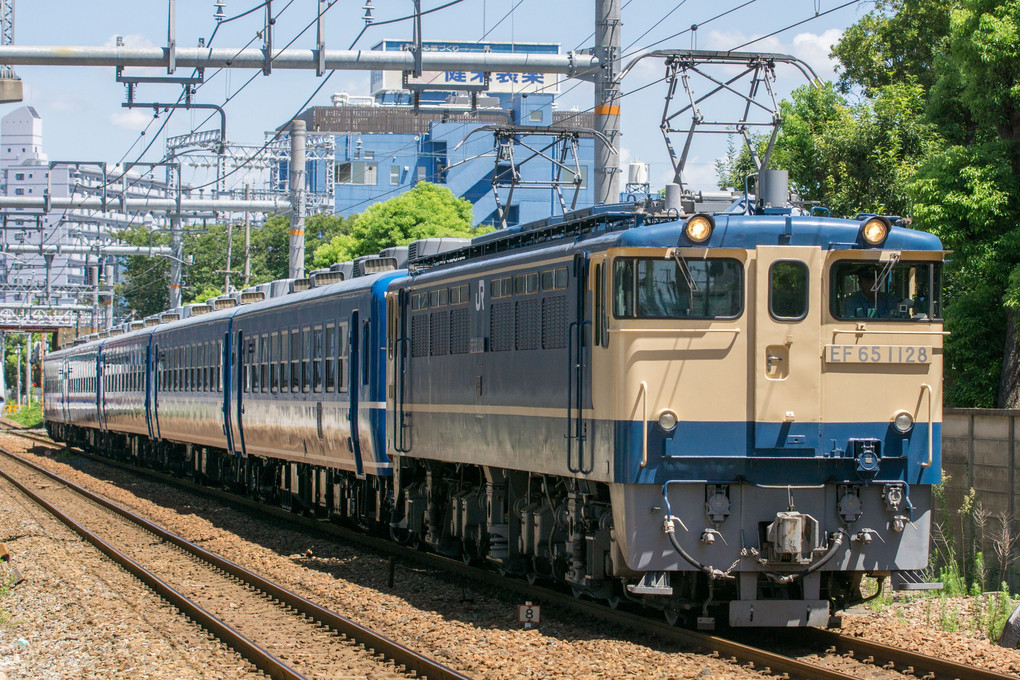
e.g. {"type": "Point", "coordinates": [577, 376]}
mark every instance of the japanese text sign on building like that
{"type": "Point", "coordinates": [495, 82]}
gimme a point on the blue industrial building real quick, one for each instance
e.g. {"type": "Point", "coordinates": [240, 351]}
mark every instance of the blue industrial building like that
{"type": "Point", "coordinates": [383, 144]}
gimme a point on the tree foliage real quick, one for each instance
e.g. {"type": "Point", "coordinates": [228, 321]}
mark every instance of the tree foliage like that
{"type": "Point", "coordinates": [426, 211]}
{"type": "Point", "coordinates": [144, 287]}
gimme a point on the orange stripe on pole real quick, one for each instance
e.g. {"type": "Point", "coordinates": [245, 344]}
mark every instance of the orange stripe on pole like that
{"type": "Point", "coordinates": [297, 232]}
{"type": "Point", "coordinates": [607, 110]}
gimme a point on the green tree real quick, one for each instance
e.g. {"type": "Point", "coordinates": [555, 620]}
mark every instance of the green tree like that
{"type": "Point", "coordinates": [425, 211]}
{"type": "Point", "coordinates": [898, 42]}
{"type": "Point", "coordinates": [144, 282]}
{"type": "Point", "coordinates": [144, 287]}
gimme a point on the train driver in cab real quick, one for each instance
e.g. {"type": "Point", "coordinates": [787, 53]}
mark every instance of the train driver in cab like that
{"type": "Point", "coordinates": [869, 301]}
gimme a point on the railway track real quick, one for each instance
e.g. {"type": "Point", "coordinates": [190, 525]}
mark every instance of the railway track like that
{"type": "Point", "coordinates": [284, 635]}
{"type": "Point", "coordinates": [839, 657]}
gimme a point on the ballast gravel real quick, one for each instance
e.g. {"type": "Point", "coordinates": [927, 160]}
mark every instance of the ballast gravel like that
{"type": "Point", "coordinates": [76, 615]}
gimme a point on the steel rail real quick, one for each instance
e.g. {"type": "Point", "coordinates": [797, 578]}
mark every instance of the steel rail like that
{"type": "Point", "coordinates": [922, 664]}
{"type": "Point", "coordinates": [262, 659]}
{"type": "Point", "coordinates": [390, 649]}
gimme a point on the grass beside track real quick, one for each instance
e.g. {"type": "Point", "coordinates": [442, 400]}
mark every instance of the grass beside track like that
{"type": "Point", "coordinates": [28, 416]}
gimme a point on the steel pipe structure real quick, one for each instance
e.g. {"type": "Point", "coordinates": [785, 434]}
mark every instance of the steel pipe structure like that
{"type": "Point", "coordinates": [105, 250]}
{"type": "Point", "coordinates": [47, 203]}
{"type": "Point", "coordinates": [570, 64]}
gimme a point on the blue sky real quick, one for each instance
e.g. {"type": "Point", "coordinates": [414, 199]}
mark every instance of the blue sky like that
{"type": "Point", "coordinates": [81, 106]}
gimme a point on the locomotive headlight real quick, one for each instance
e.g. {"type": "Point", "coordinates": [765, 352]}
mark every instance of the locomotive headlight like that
{"type": "Point", "coordinates": [668, 420]}
{"type": "Point", "coordinates": [699, 228]}
{"type": "Point", "coordinates": [903, 422]}
{"type": "Point", "coordinates": [875, 231]}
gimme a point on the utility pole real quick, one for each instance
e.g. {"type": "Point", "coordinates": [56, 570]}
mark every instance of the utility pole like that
{"type": "Point", "coordinates": [28, 369]}
{"type": "Point", "coordinates": [94, 282]}
{"type": "Point", "coordinates": [607, 101]}
{"type": "Point", "coordinates": [230, 244]}
{"type": "Point", "coordinates": [297, 200]}
{"type": "Point", "coordinates": [17, 373]}
{"type": "Point", "coordinates": [176, 241]}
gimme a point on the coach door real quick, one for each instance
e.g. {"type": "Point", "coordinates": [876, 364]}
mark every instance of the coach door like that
{"type": "Point", "coordinates": [354, 391]}
{"type": "Point", "coordinates": [787, 342]}
{"type": "Point", "coordinates": [237, 420]}
{"type": "Point", "coordinates": [147, 385]}
{"type": "Point", "coordinates": [100, 391]}
{"type": "Point", "coordinates": [159, 371]}
{"type": "Point", "coordinates": [65, 380]}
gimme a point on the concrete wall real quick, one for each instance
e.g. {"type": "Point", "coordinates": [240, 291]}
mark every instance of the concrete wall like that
{"type": "Point", "coordinates": [979, 451]}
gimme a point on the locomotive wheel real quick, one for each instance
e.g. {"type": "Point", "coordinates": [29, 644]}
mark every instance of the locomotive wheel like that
{"type": "Point", "coordinates": [671, 616]}
{"type": "Point", "coordinates": [532, 578]}
{"type": "Point", "coordinates": [613, 601]}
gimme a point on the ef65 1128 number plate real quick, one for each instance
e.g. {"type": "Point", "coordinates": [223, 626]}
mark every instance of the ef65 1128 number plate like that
{"type": "Point", "coordinates": [878, 354]}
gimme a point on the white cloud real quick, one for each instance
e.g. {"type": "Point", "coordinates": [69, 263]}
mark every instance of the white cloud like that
{"type": "Point", "coordinates": [814, 49]}
{"type": "Point", "coordinates": [134, 120]}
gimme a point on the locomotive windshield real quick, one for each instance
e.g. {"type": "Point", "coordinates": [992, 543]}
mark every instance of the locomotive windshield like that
{"type": "Point", "coordinates": [647, 288]}
{"type": "Point", "coordinates": [894, 290]}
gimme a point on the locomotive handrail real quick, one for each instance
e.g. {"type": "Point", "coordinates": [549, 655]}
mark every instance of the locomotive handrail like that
{"type": "Point", "coordinates": [861, 331]}
{"type": "Point", "coordinates": [643, 395]}
{"type": "Point", "coordinates": [735, 331]}
{"type": "Point", "coordinates": [925, 387]}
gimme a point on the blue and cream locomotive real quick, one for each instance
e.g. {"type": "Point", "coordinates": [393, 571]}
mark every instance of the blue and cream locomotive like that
{"type": "Point", "coordinates": [726, 415]}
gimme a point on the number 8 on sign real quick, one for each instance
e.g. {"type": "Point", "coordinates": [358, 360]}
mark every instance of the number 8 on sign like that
{"type": "Point", "coordinates": [529, 614]}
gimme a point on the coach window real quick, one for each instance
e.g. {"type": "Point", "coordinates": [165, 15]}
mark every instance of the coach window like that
{"type": "Point", "coordinates": [249, 363]}
{"type": "Point", "coordinates": [199, 361]}
{"type": "Point", "coordinates": [203, 378]}
{"type": "Point", "coordinates": [788, 290]}
{"type": "Point", "coordinates": [219, 366]}
{"type": "Point", "coordinates": [264, 363]}
{"type": "Point", "coordinates": [329, 349]}
{"type": "Point", "coordinates": [343, 341]}
{"type": "Point", "coordinates": [656, 288]}
{"type": "Point", "coordinates": [295, 360]}
{"type": "Point", "coordinates": [306, 360]}
{"type": "Point", "coordinates": [190, 362]}
{"type": "Point", "coordinates": [317, 358]}
{"type": "Point", "coordinates": [274, 363]}
{"type": "Point", "coordinates": [211, 359]}
{"type": "Point", "coordinates": [284, 361]}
